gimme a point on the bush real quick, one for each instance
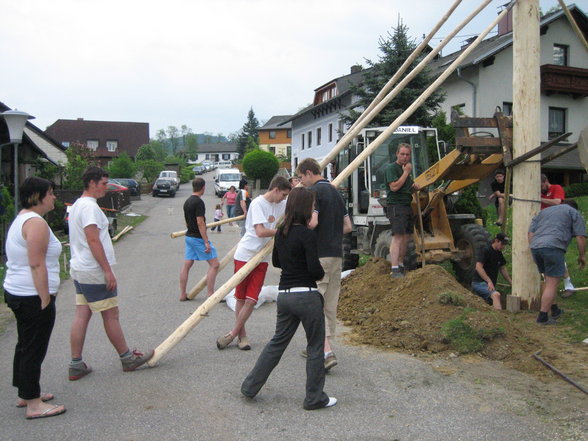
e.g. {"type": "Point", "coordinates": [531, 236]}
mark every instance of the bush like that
{"type": "Point", "coordinates": [259, 164]}
{"type": "Point", "coordinates": [466, 339]}
{"type": "Point", "coordinates": [187, 175]}
{"type": "Point", "coordinates": [575, 190]}
{"type": "Point", "coordinates": [469, 203]}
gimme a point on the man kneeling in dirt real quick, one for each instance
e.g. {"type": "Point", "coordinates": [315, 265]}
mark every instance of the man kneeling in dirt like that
{"type": "Point", "coordinates": [488, 262]}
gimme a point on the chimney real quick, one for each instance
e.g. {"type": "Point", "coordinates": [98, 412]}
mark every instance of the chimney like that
{"type": "Point", "coordinates": [505, 25]}
{"type": "Point", "coordinates": [356, 68]}
{"type": "Point", "coordinates": [80, 119]}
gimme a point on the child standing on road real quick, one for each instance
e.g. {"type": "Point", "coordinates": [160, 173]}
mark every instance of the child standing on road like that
{"type": "Point", "coordinates": [218, 215]}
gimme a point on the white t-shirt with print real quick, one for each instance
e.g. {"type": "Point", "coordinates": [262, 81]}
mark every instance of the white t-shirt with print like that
{"type": "Point", "coordinates": [84, 212]}
{"type": "Point", "coordinates": [261, 211]}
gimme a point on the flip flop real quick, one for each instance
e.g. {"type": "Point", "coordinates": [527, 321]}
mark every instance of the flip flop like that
{"type": "Point", "coordinates": [44, 399]}
{"type": "Point", "coordinates": [48, 413]}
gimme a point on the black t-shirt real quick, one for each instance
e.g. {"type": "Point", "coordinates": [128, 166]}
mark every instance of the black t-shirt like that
{"type": "Point", "coordinates": [496, 186]}
{"type": "Point", "coordinates": [331, 210]}
{"type": "Point", "coordinates": [296, 254]}
{"type": "Point", "coordinates": [193, 207]}
{"type": "Point", "coordinates": [491, 260]}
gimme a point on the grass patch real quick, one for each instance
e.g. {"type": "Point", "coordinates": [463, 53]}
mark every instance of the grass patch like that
{"type": "Point", "coordinates": [466, 339]}
{"type": "Point", "coordinates": [451, 298]}
{"type": "Point", "coordinates": [124, 220]}
{"type": "Point", "coordinates": [363, 258]}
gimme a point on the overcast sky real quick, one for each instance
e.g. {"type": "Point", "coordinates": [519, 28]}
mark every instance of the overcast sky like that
{"type": "Point", "coordinates": [194, 62]}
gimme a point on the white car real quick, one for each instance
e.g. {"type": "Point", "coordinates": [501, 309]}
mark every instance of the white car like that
{"type": "Point", "coordinates": [172, 176]}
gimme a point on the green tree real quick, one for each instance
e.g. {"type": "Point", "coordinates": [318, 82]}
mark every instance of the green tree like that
{"type": "Point", "coordinates": [122, 167]}
{"type": "Point", "coordinates": [150, 169]}
{"type": "Point", "coordinates": [155, 150]}
{"type": "Point", "coordinates": [191, 146]}
{"type": "Point", "coordinates": [173, 133]}
{"type": "Point", "coordinates": [251, 145]}
{"type": "Point", "coordinates": [395, 48]}
{"type": "Point", "coordinates": [79, 157]}
{"type": "Point", "coordinates": [250, 129]}
{"type": "Point", "coordinates": [259, 164]}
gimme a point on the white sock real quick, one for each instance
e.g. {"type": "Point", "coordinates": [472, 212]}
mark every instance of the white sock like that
{"type": "Point", "coordinates": [568, 283]}
{"type": "Point", "coordinates": [327, 354]}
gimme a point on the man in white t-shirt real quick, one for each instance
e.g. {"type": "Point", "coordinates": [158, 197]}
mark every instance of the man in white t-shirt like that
{"type": "Point", "coordinates": [92, 257]}
{"type": "Point", "coordinates": [260, 227]}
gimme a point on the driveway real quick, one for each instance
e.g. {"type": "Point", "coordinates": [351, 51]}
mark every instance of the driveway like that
{"type": "Point", "coordinates": [193, 394]}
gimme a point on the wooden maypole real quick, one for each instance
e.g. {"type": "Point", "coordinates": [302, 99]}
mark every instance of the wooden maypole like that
{"type": "Point", "coordinates": [526, 136]}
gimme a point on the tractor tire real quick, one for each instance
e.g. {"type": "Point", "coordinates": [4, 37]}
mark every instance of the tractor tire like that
{"type": "Point", "coordinates": [350, 261]}
{"type": "Point", "coordinates": [469, 238]}
{"type": "Point", "coordinates": [382, 249]}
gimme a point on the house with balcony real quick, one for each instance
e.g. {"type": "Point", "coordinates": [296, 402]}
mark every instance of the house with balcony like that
{"type": "Point", "coordinates": [108, 139]}
{"type": "Point", "coordinates": [317, 127]}
{"type": "Point", "coordinates": [483, 82]}
{"type": "Point", "coordinates": [275, 136]}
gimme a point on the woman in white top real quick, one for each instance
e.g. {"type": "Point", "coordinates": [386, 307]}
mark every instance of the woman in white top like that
{"type": "Point", "coordinates": [30, 287]}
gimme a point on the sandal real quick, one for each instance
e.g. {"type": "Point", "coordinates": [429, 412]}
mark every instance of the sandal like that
{"type": "Point", "coordinates": [52, 411]}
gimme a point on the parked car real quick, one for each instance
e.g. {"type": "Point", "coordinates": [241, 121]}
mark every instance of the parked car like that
{"type": "Point", "coordinates": [164, 186]}
{"type": "Point", "coordinates": [172, 176]}
{"type": "Point", "coordinates": [208, 165]}
{"type": "Point", "coordinates": [198, 169]}
{"type": "Point", "coordinates": [113, 186]}
{"type": "Point", "coordinates": [131, 184]}
{"type": "Point", "coordinates": [223, 164]}
{"type": "Point", "coordinates": [224, 179]}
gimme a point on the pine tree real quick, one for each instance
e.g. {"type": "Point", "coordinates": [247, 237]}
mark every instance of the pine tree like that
{"type": "Point", "coordinates": [250, 129]}
{"type": "Point", "coordinates": [395, 49]}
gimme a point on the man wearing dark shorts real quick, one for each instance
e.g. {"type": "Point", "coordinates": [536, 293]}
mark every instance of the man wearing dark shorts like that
{"type": "Point", "coordinates": [489, 261]}
{"type": "Point", "coordinates": [198, 247]}
{"type": "Point", "coordinates": [399, 211]}
{"type": "Point", "coordinates": [550, 233]}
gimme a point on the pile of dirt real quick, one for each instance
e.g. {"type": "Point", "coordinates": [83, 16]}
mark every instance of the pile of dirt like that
{"type": "Point", "coordinates": [408, 315]}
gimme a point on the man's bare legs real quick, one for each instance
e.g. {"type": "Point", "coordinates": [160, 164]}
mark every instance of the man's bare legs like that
{"type": "Point", "coordinates": [549, 293]}
{"type": "Point", "coordinates": [78, 330]}
{"type": "Point", "coordinates": [398, 248]}
{"type": "Point", "coordinates": [243, 311]}
{"type": "Point", "coordinates": [501, 211]}
{"type": "Point", "coordinates": [213, 266]}
{"type": "Point", "coordinates": [114, 332]}
{"type": "Point", "coordinates": [184, 279]}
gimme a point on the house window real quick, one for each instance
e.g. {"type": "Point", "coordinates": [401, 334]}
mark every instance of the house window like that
{"type": "Point", "coordinates": [65, 144]}
{"type": "Point", "coordinates": [331, 132]}
{"type": "Point", "coordinates": [560, 54]}
{"type": "Point", "coordinates": [318, 136]}
{"type": "Point", "coordinates": [272, 134]}
{"type": "Point", "coordinates": [309, 139]}
{"type": "Point", "coordinates": [111, 145]}
{"type": "Point", "coordinates": [289, 133]}
{"type": "Point", "coordinates": [459, 108]}
{"type": "Point", "coordinates": [302, 137]}
{"type": "Point", "coordinates": [272, 149]}
{"type": "Point", "coordinates": [208, 156]}
{"type": "Point", "coordinates": [226, 156]}
{"type": "Point", "coordinates": [557, 122]}
{"type": "Point", "coordinates": [92, 144]}
{"type": "Point", "coordinates": [507, 108]}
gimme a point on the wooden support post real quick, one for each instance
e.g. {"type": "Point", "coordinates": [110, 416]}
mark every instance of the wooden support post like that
{"type": "Point", "coordinates": [513, 303]}
{"type": "Point", "coordinates": [202, 310]}
{"type": "Point", "coordinates": [202, 283]}
{"type": "Point", "coordinates": [526, 135]}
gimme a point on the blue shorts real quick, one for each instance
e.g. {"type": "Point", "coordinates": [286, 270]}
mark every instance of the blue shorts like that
{"type": "Point", "coordinates": [195, 249]}
{"type": "Point", "coordinates": [481, 289]}
{"type": "Point", "coordinates": [550, 261]}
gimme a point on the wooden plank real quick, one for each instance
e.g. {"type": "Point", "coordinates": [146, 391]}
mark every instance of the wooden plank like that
{"type": "Point", "coordinates": [513, 303]}
{"type": "Point", "coordinates": [476, 141]}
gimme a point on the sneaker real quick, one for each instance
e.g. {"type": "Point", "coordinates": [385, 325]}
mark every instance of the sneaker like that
{"type": "Point", "coordinates": [224, 341]}
{"type": "Point", "coordinates": [549, 321]}
{"type": "Point", "coordinates": [243, 344]}
{"type": "Point", "coordinates": [396, 273]}
{"type": "Point", "coordinates": [136, 359]}
{"type": "Point", "coordinates": [332, 402]}
{"type": "Point", "coordinates": [330, 362]}
{"type": "Point", "coordinates": [557, 314]}
{"type": "Point", "coordinates": [78, 370]}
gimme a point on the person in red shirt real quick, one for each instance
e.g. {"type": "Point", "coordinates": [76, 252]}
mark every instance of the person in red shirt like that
{"type": "Point", "coordinates": [551, 194]}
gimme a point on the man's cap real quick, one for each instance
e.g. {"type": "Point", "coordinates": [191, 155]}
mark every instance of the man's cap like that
{"type": "Point", "coordinates": [502, 238]}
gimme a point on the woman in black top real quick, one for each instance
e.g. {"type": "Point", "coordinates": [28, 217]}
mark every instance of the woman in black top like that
{"type": "Point", "coordinates": [295, 252]}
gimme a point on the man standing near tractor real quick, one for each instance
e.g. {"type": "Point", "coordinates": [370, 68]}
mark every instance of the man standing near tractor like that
{"type": "Point", "coordinates": [398, 209]}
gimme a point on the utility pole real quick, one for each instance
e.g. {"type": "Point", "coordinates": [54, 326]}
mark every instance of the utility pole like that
{"type": "Point", "coordinates": [526, 136]}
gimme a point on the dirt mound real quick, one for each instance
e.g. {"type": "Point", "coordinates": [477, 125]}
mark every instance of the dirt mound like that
{"type": "Point", "coordinates": [410, 315]}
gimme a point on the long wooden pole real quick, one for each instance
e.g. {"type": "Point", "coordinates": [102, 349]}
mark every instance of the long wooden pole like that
{"type": "Point", "coordinates": [380, 101]}
{"type": "Point", "coordinates": [209, 225]}
{"type": "Point", "coordinates": [202, 311]}
{"type": "Point", "coordinates": [202, 283]}
{"type": "Point", "coordinates": [526, 135]}
{"type": "Point", "coordinates": [209, 303]}
{"type": "Point", "coordinates": [418, 102]}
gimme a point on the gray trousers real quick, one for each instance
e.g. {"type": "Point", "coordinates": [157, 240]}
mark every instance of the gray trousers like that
{"type": "Point", "coordinates": [293, 309]}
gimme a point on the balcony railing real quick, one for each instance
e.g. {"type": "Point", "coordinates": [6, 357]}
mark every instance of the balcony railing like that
{"type": "Point", "coordinates": [564, 79]}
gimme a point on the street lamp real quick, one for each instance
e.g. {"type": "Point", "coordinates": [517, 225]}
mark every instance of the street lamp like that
{"type": "Point", "coordinates": [15, 121]}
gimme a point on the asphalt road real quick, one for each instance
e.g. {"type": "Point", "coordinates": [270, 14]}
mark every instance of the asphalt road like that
{"type": "Point", "coordinates": [193, 394]}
